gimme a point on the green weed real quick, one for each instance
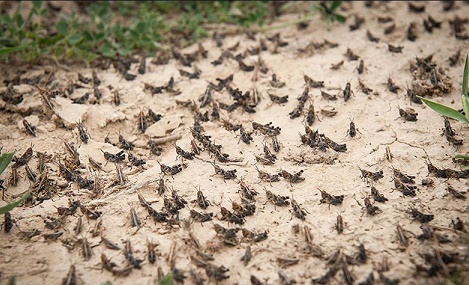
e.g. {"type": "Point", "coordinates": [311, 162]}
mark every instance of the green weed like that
{"type": "Point", "coordinates": [328, 12]}
{"type": "Point", "coordinates": [117, 29]}
{"type": "Point", "coordinates": [167, 280]}
{"type": "Point", "coordinates": [453, 113]}
{"type": "Point", "coordinates": [5, 159]}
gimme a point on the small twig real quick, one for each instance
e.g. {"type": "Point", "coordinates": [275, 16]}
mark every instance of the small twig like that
{"type": "Point", "coordinates": [167, 139]}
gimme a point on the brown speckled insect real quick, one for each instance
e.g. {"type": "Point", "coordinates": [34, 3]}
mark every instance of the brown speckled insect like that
{"type": "Point", "coordinates": [71, 278]}
{"type": "Point", "coordinates": [86, 249]}
{"type": "Point", "coordinates": [331, 199]}
{"type": "Point", "coordinates": [231, 217]}
{"type": "Point", "coordinates": [30, 129]}
{"type": "Point", "coordinates": [30, 173]}
{"type": "Point", "coordinates": [375, 176]}
{"type": "Point", "coordinates": [416, 9]}
{"type": "Point", "coordinates": [352, 131]}
{"type": "Point", "coordinates": [339, 226]}
{"type": "Point", "coordinates": [312, 83]}
{"type": "Point", "coordinates": [390, 29]}
{"type": "Point", "coordinates": [128, 253]}
{"type": "Point", "coordinates": [378, 197]}
{"type": "Point", "coordinates": [297, 211]}
{"type": "Point", "coordinates": [245, 67]}
{"type": "Point", "coordinates": [125, 144]}
{"type": "Point", "coordinates": [170, 170]}
{"type": "Point", "coordinates": [395, 49]}
{"type": "Point", "coordinates": [409, 114]}
{"type": "Point", "coordinates": [411, 34]}
{"type": "Point", "coordinates": [245, 136]}
{"type": "Point", "coordinates": [350, 55]}
{"type": "Point", "coordinates": [371, 38]}
{"type": "Point", "coordinates": [370, 208]}
{"type": "Point", "coordinates": [292, 178]}
{"type": "Point", "coordinates": [247, 256]}
{"type": "Point", "coordinates": [116, 158]}
{"type": "Point", "coordinates": [201, 217]}
{"type": "Point", "coordinates": [202, 200]}
{"type": "Point", "coordinates": [182, 153]}
{"type": "Point", "coordinates": [278, 99]}
{"type": "Point", "coordinates": [337, 65]}
{"type": "Point", "coordinates": [109, 244]}
{"type": "Point", "coordinates": [347, 92]}
{"type": "Point", "coordinates": [142, 122]}
{"type": "Point", "coordinates": [227, 174]}
{"type": "Point", "coordinates": [392, 86]}
{"type": "Point", "coordinates": [361, 66]}
{"type": "Point", "coordinates": [277, 200]}
{"type": "Point", "coordinates": [419, 216]}
{"type": "Point", "coordinates": [264, 176]}
{"type": "Point", "coordinates": [455, 193]}
{"type": "Point", "coordinates": [82, 132]}
{"type": "Point", "coordinates": [24, 159]}
{"type": "Point", "coordinates": [275, 144]}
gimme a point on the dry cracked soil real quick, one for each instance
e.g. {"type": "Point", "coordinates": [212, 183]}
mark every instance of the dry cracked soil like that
{"type": "Point", "coordinates": [290, 156]}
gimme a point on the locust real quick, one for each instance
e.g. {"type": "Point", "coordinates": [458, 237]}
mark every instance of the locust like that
{"type": "Point", "coordinates": [30, 129]}
{"type": "Point", "coordinates": [277, 200]}
{"type": "Point", "coordinates": [331, 199]}
{"type": "Point", "coordinates": [297, 211]}
{"type": "Point", "coordinates": [292, 178]}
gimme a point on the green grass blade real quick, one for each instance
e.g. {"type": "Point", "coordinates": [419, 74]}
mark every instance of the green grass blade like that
{"type": "Point", "coordinates": [5, 51]}
{"type": "Point", "coordinates": [465, 76]}
{"type": "Point", "coordinates": [167, 280]}
{"type": "Point", "coordinates": [462, 156]}
{"type": "Point", "coordinates": [10, 206]}
{"type": "Point", "coordinates": [339, 18]}
{"type": "Point", "coordinates": [465, 105]}
{"type": "Point", "coordinates": [444, 110]}
{"type": "Point", "coordinates": [335, 5]}
{"type": "Point", "coordinates": [5, 159]}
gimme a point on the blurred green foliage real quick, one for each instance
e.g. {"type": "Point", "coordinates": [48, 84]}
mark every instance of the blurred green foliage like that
{"type": "Point", "coordinates": [109, 29]}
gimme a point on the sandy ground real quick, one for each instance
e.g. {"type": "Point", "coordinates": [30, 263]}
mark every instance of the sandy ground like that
{"type": "Point", "coordinates": [286, 251]}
